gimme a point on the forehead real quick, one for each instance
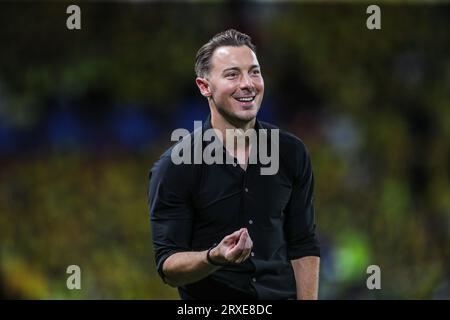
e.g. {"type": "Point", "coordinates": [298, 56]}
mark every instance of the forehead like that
{"type": "Point", "coordinates": [229, 56]}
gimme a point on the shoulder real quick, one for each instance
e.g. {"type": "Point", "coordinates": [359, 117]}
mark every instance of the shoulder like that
{"type": "Point", "coordinates": [288, 142]}
{"type": "Point", "coordinates": [293, 153]}
{"type": "Point", "coordinates": [166, 169]}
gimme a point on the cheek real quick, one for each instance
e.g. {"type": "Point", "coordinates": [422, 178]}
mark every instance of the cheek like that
{"type": "Point", "coordinates": [226, 90]}
{"type": "Point", "coordinates": [260, 84]}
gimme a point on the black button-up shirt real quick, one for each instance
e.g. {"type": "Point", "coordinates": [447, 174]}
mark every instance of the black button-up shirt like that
{"type": "Point", "coordinates": [194, 206]}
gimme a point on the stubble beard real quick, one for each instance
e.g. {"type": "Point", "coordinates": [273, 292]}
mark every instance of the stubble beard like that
{"type": "Point", "coordinates": [232, 118]}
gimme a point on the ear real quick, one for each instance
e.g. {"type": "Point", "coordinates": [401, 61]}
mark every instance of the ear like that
{"type": "Point", "coordinates": [203, 85]}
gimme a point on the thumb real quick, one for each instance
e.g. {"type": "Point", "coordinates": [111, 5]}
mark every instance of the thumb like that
{"type": "Point", "coordinates": [236, 235]}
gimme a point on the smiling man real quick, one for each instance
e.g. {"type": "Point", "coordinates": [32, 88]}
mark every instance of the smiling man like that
{"type": "Point", "coordinates": [226, 231]}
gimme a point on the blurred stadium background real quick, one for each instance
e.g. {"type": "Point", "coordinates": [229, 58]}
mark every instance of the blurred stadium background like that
{"type": "Point", "coordinates": [84, 115]}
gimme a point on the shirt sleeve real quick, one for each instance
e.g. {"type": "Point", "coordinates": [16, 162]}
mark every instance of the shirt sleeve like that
{"type": "Point", "coordinates": [170, 210]}
{"type": "Point", "coordinates": [299, 223]}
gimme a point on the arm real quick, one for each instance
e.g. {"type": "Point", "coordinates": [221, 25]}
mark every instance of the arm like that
{"type": "Point", "coordinates": [306, 271]}
{"type": "Point", "coordinates": [171, 216]}
{"type": "Point", "coordinates": [299, 227]}
{"type": "Point", "coordinates": [183, 268]}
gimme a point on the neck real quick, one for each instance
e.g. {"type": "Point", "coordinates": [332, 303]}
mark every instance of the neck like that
{"type": "Point", "coordinates": [240, 150]}
{"type": "Point", "coordinates": [221, 123]}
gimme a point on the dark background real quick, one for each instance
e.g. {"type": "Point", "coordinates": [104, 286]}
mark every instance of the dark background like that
{"type": "Point", "coordinates": [84, 115]}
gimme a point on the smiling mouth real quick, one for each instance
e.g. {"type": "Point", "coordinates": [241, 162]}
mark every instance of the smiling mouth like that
{"type": "Point", "coordinates": [245, 99]}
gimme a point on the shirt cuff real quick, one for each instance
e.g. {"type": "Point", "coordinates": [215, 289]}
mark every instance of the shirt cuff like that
{"type": "Point", "coordinates": [307, 247]}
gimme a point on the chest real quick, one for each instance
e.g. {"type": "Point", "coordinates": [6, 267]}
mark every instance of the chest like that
{"type": "Point", "coordinates": [228, 196]}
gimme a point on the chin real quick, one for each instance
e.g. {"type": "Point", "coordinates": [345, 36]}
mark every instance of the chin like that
{"type": "Point", "coordinates": [241, 116]}
{"type": "Point", "coordinates": [248, 114]}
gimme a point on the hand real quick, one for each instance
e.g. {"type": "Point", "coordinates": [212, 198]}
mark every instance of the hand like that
{"type": "Point", "coordinates": [234, 248]}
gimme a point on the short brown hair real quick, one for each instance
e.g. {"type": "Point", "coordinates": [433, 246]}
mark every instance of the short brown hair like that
{"type": "Point", "coordinates": [230, 37]}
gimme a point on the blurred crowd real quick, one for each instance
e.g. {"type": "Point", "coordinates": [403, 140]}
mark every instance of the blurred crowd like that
{"type": "Point", "coordinates": [85, 114]}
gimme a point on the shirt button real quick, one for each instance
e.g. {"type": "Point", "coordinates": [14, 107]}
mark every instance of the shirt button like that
{"type": "Point", "coordinates": [254, 279]}
{"type": "Point", "coordinates": [246, 189]}
{"type": "Point", "coordinates": [253, 254]}
{"type": "Point", "coordinates": [234, 164]}
{"type": "Point", "coordinates": [250, 221]}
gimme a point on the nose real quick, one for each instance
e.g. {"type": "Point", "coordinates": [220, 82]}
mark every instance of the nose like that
{"type": "Point", "coordinates": [246, 82]}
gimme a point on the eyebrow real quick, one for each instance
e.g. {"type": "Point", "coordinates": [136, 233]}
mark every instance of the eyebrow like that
{"type": "Point", "coordinates": [253, 66]}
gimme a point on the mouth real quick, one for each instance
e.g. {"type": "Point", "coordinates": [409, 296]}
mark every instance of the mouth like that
{"type": "Point", "coordinates": [245, 101]}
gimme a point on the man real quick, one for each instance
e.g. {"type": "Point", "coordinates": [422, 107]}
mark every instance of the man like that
{"type": "Point", "coordinates": [225, 230]}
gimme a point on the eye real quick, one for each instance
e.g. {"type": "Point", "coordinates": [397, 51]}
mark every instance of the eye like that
{"type": "Point", "coordinates": [256, 71]}
{"type": "Point", "coordinates": [231, 75]}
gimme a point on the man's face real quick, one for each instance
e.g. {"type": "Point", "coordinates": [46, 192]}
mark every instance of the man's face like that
{"type": "Point", "coordinates": [236, 84]}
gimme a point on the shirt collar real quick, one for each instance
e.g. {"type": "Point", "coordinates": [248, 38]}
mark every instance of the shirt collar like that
{"type": "Point", "coordinates": [208, 125]}
{"type": "Point", "coordinates": [258, 126]}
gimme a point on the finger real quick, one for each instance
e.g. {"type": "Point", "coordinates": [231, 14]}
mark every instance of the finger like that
{"type": "Point", "coordinates": [231, 243]}
{"type": "Point", "coordinates": [250, 242]}
{"type": "Point", "coordinates": [235, 235]}
{"type": "Point", "coordinates": [243, 239]}
{"type": "Point", "coordinates": [244, 248]}
{"type": "Point", "coordinates": [246, 251]}
{"type": "Point", "coordinates": [239, 237]}
{"type": "Point", "coordinates": [236, 252]}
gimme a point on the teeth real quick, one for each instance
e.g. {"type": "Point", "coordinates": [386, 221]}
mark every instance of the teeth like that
{"type": "Point", "coordinates": [245, 99]}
